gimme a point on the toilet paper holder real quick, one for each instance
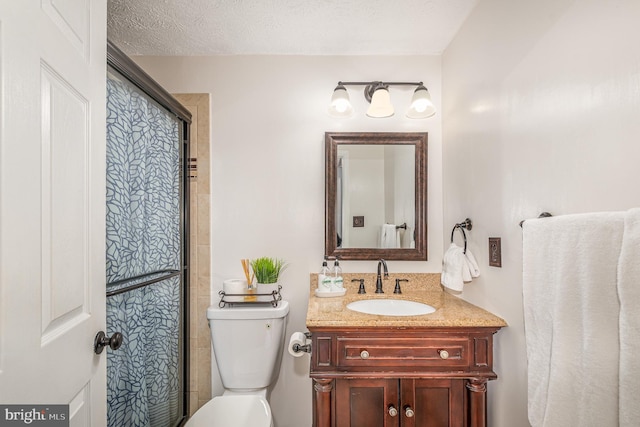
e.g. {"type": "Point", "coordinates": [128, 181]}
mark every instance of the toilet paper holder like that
{"type": "Point", "coordinates": [306, 348]}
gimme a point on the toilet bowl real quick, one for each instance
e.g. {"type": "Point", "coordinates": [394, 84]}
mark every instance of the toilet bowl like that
{"type": "Point", "coordinates": [248, 342]}
{"type": "Point", "coordinates": [233, 411]}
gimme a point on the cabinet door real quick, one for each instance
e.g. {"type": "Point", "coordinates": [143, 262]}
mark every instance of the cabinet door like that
{"type": "Point", "coordinates": [366, 403]}
{"type": "Point", "coordinates": [432, 403]}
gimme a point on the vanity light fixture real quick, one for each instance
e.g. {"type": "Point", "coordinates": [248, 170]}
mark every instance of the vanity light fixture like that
{"type": "Point", "coordinates": [377, 94]}
{"type": "Point", "coordinates": [340, 105]}
{"type": "Point", "coordinates": [421, 105]}
{"type": "Point", "coordinates": [380, 101]}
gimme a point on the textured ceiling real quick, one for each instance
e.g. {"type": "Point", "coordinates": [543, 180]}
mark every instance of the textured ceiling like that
{"type": "Point", "coordinates": [285, 27]}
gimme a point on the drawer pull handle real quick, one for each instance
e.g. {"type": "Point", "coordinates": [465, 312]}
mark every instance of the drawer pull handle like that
{"type": "Point", "coordinates": [364, 354]}
{"type": "Point", "coordinates": [393, 411]}
{"type": "Point", "coordinates": [409, 412]}
{"type": "Point", "coordinates": [444, 354]}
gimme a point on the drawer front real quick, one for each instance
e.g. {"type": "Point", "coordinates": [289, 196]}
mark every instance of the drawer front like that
{"type": "Point", "coordinates": [403, 352]}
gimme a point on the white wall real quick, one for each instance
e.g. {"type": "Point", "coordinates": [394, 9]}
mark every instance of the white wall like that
{"type": "Point", "coordinates": [541, 107]}
{"type": "Point", "coordinates": [267, 191]}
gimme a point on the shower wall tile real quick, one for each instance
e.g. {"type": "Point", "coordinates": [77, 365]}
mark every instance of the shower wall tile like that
{"type": "Point", "coordinates": [194, 404]}
{"type": "Point", "coordinates": [204, 201]}
{"type": "Point", "coordinates": [200, 282]}
{"type": "Point", "coordinates": [204, 269]}
{"type": "Point", "coordinates": [193, 316]}
{"type": "Point", "coordinates": [203, 149]}
{"type": "Point", "coordinates": [204, 371]}
{"type": "Point", "coordinates": [193, 214]}
{"type": "Point", "coordinates": [202, 321]}
{"type": "Point", "coordinates": [193, 361]}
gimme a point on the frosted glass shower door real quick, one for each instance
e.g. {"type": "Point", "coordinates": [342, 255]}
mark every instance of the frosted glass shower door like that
{"type": "Point", "coordinates": [144, 375]}
{"type": "Point", "coordinates": [145, 284]}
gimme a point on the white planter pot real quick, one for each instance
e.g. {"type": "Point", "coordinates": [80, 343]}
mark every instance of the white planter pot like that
{"type": "Point", "coordinates": [266, 288]}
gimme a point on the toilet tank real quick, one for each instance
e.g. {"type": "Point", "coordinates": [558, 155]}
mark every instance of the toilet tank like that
{"type": "Point", "coordinates": [248, 341]}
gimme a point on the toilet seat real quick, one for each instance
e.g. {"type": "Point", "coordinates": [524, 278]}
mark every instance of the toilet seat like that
{"type": "Point", "coordinates": [236, 411]}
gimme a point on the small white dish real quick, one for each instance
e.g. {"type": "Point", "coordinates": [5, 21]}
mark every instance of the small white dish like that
{"type": "Point", "coordinates": [329, 294]}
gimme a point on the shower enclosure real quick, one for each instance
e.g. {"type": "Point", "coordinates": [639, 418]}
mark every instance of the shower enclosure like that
{"type": "Point", "coordinates": [147, 241]}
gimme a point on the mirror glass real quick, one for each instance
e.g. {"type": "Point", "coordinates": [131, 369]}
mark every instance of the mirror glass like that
{"type": "Point", "coordinates": [375, 188]}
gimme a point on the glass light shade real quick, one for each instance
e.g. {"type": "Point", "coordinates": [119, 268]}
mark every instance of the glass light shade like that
{"type": "Point", "coordinates": [421, 105]}
{"type": "Point", "coordinates": [380, 104]}
{"type": "Point", "coordinates": [340, 105]}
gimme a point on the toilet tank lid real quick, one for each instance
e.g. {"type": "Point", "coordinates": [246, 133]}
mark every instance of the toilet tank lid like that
{"type": "Point", "coordinates": [249, 311]}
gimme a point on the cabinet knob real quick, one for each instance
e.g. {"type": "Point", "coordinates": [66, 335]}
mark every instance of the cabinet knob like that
{"type": "Point", "coordinates": [444, 354]}
{"type": "Point", "coordinates": [364, 354]}
{"type": "Point", "coordinates": [409, 412]}
{"type": "Point", "coordinates": [393, 411]}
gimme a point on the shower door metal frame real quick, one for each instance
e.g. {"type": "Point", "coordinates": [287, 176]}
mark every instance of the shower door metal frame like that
{"type": "Point", "coordinates": [121, 63]}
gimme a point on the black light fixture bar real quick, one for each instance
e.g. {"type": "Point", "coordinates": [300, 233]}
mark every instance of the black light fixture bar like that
{"type": "Point", "coordinates": [372, 86]}
{"type": "Point", "coordinates": [379, 82]}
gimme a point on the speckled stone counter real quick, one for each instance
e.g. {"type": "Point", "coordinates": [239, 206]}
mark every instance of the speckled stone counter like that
{"type": "Point", "coordinates": [451, 311]}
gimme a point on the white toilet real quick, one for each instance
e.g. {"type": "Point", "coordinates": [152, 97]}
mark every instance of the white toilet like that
{"type": "Point", "coordinates": [248, 342]}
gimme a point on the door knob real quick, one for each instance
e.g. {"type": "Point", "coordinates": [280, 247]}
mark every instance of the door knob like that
{"type": "Point", "coordinates": [393, 411]}
{"type": "Point", "coordinates": [101, 341]}
{"type": "Point", "coordinates": [408, 411]}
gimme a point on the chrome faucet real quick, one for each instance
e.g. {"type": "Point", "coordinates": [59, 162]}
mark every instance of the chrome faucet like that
{"type": "Point", "coordinates": [379, 278]}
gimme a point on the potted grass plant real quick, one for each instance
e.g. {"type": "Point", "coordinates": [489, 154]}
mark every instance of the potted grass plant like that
{"type": "Point", "coordinates": [267, 272]}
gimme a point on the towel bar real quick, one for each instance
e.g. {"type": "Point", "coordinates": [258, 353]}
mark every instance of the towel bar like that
{"type": "Point", "coordinates": [542, 215]}
{"type": "Point", "coordinates": [461, 226]}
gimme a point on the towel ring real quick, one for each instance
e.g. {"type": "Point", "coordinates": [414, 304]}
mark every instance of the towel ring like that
{"type": "Point", "coordinates": [461, 226]}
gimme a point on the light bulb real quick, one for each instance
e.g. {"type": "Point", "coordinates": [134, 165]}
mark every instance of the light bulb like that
{"type": "Point", "coordinates": [340, 106]}
{"type": "Point", "coordinates": [421, 105]}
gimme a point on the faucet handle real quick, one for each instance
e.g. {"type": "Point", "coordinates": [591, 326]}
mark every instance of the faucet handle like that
{"type": "Point", "coordinates": [361, 289]}
{"type": "Point", "coordinates": [397, 289]}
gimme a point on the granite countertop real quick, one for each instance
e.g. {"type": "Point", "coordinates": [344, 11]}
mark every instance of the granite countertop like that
{"type": "Point", "coordinates": [451, 311]}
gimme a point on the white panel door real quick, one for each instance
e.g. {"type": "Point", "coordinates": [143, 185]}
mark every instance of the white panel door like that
{"type": "Point", "coordinates": [52, 204]}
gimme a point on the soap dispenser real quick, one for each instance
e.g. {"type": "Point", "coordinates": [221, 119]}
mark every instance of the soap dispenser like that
{"type": "Point", "coordinates": [336, 273]}
{"type": "Point", "coordinates": [324, 277]}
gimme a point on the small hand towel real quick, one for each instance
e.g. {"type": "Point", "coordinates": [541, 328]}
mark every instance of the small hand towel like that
{"type": "Point", "coordinates": [472, 263]}
{"type": "Point", "coordinates": [388, 236]}
{"type": "Point", "coordinates": [412, 231]}
{"type": "Point", "coordinates": [466, 269]}
{"type": "Point", "coordinates": [453, 262]}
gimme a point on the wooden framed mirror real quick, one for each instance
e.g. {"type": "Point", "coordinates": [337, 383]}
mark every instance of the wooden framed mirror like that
{"type": "Point", "coordinates": [376, 195]}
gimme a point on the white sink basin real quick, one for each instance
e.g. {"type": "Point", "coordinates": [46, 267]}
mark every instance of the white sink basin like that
{"type": "Point", "coordinates": [390, 307]}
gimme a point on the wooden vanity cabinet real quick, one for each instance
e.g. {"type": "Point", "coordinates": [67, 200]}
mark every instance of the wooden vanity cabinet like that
{"type": "Point", "coordinates": [399, 402]}
{"type": "Point", "coordinates": [390, 377]}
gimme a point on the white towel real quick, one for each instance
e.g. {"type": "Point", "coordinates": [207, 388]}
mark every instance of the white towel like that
{"type": "Point", "coordinates": [571, 318]}
{"type": "Point", "coordinates": [466, 269]}
{"type": "Point", "coordinates": [412, 241]}
{"type": "Point", "coordinates": [472, 264]}
{"type": "Point", "coordinates": [629, 295]}
{"type": "Point", "coordinates": [453, 263]}
{"type": "Point", "coordinates": [389, 236]}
